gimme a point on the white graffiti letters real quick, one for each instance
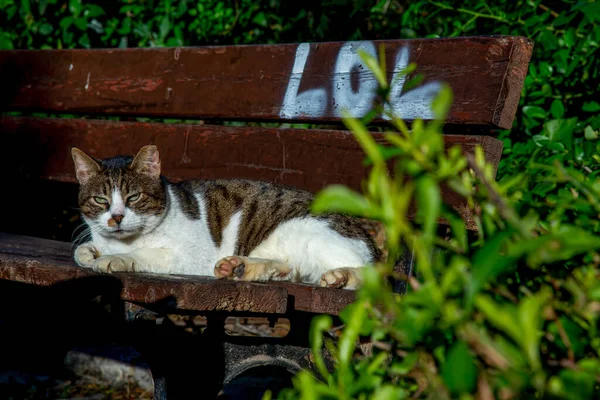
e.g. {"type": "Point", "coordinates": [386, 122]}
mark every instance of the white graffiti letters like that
{"type": "Point", "coordinates": [358, 102]}
{"type": "Point", "coordinates": [311, 102]}
{"type": "Point", "coordinates": [413, 104]}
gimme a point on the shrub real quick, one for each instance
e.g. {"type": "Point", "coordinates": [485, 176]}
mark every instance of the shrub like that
{"type": "Point", "coordinates": [510, 312]}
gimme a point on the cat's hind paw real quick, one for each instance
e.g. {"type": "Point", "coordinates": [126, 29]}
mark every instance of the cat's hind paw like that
{"type": "Point", "coordinates": [230, 267]}
{"type": "Point", "coordinates": [85, 255]}
{"type": "Point", "coordinates": [252, 269]}
{"type": "Point", "coordinates": [108, 264]}
{"type": "Point", "coordinates": [341, 278]}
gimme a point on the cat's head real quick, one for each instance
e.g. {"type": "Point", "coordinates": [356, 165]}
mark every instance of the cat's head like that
{"type": "Point", "coordinates": [121, 197]}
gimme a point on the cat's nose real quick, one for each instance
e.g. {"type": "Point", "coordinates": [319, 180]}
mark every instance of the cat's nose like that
{"type": "Point", "coordinates": [118, 218]}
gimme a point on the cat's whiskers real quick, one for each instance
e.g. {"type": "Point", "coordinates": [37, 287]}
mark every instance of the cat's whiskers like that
{"type": "Point", "coordinates": [85, 235]}
{"type": "Point", "coordinates": [83, 226]}
{"type": "Point", "coordinates": [81, 238]}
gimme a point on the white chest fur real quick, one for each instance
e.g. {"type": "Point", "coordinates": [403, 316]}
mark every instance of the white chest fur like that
{"type": "Point", "coordinates": [192, 250]}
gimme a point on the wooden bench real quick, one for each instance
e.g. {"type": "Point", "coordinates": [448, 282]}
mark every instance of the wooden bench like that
{"type": "Point", "coordinates": [221, 92]}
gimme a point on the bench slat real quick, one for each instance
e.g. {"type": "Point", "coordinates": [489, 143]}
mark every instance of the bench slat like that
{"type": "Point", "coordinates": [307, 159]}
{"type": "Point", "coordinates": [46, 262]}
{"type": "Point", "coordinates": [293, 82]}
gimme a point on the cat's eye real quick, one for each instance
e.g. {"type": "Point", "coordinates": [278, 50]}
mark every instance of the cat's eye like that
{"type": "Point", "coordinates": [100, 200]}
{"type": "Point", "coordinates": [133, 198]}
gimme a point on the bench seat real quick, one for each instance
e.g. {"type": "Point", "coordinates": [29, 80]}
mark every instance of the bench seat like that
{"type": "Point", "coordinates": [44, 262]}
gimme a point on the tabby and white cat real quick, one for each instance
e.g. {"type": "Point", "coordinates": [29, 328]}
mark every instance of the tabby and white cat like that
{"type": "Point", "coordinates": [237, 229]}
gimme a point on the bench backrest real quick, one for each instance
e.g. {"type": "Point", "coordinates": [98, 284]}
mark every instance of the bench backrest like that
{"type": "Point", "coordinates": [222, 85]}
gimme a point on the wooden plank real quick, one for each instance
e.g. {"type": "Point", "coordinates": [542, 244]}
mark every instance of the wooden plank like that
{"type": "Point", "coordinates": [307, 159]}
{"type": "Point", "coordinates": [45, 262]}
{"type": "Point", "coordinates": [317, 299]}
{"type": "Point", "coordinates": [292, 82]}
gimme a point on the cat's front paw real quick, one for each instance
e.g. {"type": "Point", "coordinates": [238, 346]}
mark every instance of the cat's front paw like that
{"type": "Point", "coordinates": [85, 255]}
{"type": "Point", "coordinates": [120, 263]}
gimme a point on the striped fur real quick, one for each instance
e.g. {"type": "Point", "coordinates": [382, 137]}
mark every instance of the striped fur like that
{"type": "Point", "coordinates": [194, 226]}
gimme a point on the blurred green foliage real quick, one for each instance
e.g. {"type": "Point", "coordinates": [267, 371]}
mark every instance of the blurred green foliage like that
{"type": "Point", "coordinates": [149, 23]}
{"type": "Point", "coordinates": [509, 312]}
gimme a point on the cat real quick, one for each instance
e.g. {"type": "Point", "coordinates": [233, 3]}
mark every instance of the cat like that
{"type": "Point", "coordinates": [233, 229]}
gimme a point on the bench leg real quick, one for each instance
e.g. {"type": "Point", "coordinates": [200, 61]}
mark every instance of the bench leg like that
{"type": "Point", "coordinates": [404, 266]}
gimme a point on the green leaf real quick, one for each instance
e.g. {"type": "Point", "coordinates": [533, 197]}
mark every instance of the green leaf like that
{"type": "Point", "coordinates": [389, 392]}
{"type": "Point", "coordinates": [46, 29]}
{"type": "Point", "coordinates": [442, 102]}
{"type": "Point", "coordinates": [5, 42]}
{"type": "Point", "coordinates": [459, 371]}
{"type": "Point", "coordinates": [346, 316]}
{"type": "Point", "coordinates": [75, 7]}
{"type": "Point", "coordinates": [563, 18]}
{"type": "Point", "coordinates": [406, 365]}
{"type": "Point", "coordinates": [318, 325]}
{"type": "Point", "coordinates": [25, 7]}
{"type": "Point", "coordinates": [66, 22]}
{"type": "Point", "coordinates": [311, 388]}
{"type": "Point", "coordinates": [260, 19]}
{"type": "Point", "coordinates": [569, 37]}
{"type": "Point", "coordinates": [557, 109]}
{"type": "Point", "coordinates": [542, 188]}
{"type": "Point", "coordinates": [590, 134]}
{"type": "Point", "coordinates": [590, 9]}
{"type": "Point", "coordinates": [42, 6]}
{"type": "Point", "coordinates": [541, 140]}
{"type": "Point", "coordinates": [561, 130]}
{"type": "Point", "coordinates": [574, 333]}
{"type": "Point", "coordinates": [339, 198]}
{"type": "Point", "coordinates": [591, 106]}
{"type": "Point", "coordinates": [557, 146]}
{"type": "Point", "coordinates": [530, 320]}
{"type": "Point", "coordinates": [503, 317]}
{"type": "Point", "coordinates": [577, 384]}
{"type": "Point", "coordinates": [459, 230]}
{"type": "Point", "coordinates": [563, 244]}
{"type": "Point", "coordinates": [84, 41]}
{"type": "Point", "coordinates": [365, 139]}
{"type": "Point", "coordinates": [534, 112]}
{"type": "Point", "coordinates": [81, 24]}
{"type": "Point", "coordinates": [373, 65]}
{"type": "Point", "coordinates": [164, 27]}
{"type": "Point", "coordinates": [548, 40]}
{"type": "Point", "coordinates": [348, 339]}
{"type": "Point", "coordinates": [93, 11]}
{"type": "Point", "coordinates": [489, 262]}
{"type": "Point", "coordinates": [429, 201]}
{"type": "Point", "coordinates": [413, 82]}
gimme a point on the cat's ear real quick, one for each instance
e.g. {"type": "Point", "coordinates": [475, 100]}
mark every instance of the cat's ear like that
{"type": "Point", "coordinates": [85, 166]}
{"type": "Point", "coordinates": [147, 161]}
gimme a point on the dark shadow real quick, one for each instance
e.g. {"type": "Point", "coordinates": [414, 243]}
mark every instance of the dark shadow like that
{"type": "Point", "coordinates": [9, 88]}
{"type": "Point", "coordinates": [253, 383]}
{"type": "Point", "coordinates": [43, 209]}
{"type": "Point", "coordinates": [39, 325]}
